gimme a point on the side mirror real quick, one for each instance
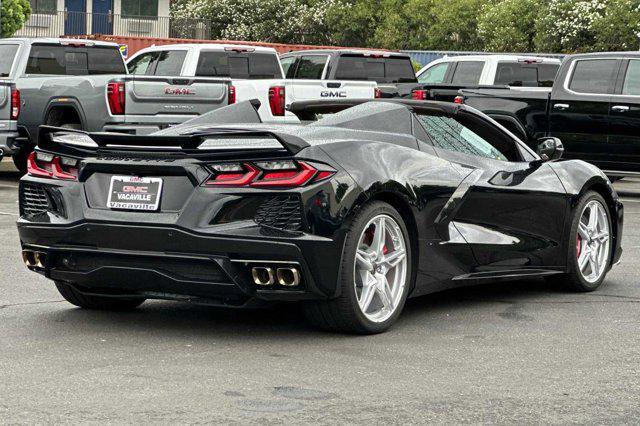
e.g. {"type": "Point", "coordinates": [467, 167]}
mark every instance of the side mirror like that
{"type": "Point", "coordinates": [550, 149]}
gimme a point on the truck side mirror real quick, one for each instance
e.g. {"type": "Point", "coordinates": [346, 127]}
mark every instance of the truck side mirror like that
{"type": "Point", "coordinates": [550, 148]}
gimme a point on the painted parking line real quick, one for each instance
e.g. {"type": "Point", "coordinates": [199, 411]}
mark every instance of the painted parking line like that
{"type": "Point", "coordinates": [8, 214]}
{"type": "Point", "coordinates": [2, 185]}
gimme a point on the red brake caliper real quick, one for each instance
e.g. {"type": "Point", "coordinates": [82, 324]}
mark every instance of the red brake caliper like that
{"type": "Point", "coordinates": [578, 245]}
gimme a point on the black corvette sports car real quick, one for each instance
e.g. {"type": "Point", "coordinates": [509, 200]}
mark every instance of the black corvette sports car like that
{"type": "Point", "coordinates": [353, 210]}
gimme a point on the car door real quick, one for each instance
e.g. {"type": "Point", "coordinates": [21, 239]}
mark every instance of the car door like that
{"type": "Point", "coordinates": [510, 208]}
{"type": "Point", "coordinates": [579, 109]}
{"type": "Point", "coordinates": [623, 154]}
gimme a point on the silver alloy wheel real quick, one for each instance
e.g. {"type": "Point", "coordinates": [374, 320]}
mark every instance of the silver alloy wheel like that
{"type": "Point", "coordinates": [593, 241]}
{"type": "Point", "coordinates": [380, 268]}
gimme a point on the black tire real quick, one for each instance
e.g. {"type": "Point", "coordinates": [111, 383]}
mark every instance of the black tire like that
{"type": "Point", "coordinates": [86, 301]}
{"type": "Point", "coordinates": [573, 280]}
{"type": "Point", "coordinates": [343, 314]}
{"type": "Point", "coordinates": [20, 158]}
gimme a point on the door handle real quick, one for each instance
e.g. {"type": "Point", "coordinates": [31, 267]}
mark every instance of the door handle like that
{"type": "Point", "coordinates": [561, 107]}
{"type": "Point", "coordinates": [620, 108]}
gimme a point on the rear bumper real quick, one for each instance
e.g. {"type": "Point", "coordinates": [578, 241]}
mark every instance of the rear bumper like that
{"type": "Point", "coordinates": [7, 143]}
{"type": "Point", "coordinates": [125, 260]}
{"type": "Point", "coordinates": [133, 129]}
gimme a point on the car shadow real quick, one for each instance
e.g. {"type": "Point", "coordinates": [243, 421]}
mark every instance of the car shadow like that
{"type": "Point", "coordinates": [282, 321]}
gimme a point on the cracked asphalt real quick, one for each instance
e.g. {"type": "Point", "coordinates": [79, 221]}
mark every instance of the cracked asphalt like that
{"type": "Point", "coordinates": [517, 352]}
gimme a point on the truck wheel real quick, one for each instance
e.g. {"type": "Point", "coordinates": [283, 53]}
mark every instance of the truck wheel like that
{"type": "Point", "coordinates": [20, 158]}
{"type": "Point", "coordinates": [375, 275]}
{"type": "Point", "coordinates": [86, 301]}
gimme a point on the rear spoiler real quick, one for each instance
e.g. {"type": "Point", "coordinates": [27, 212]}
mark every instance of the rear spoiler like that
{"type": "Point", "coordinates": [308, 110]}
{"type": "Point", "coordinates": [53, 138]}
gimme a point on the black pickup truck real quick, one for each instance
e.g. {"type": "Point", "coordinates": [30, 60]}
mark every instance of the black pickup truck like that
{"type": "Point", "coordinates": [593, 107]}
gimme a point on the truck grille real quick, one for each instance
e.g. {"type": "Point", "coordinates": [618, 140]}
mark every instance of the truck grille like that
{"type": "Point", "coordinates": [34, 199]}
{"type": "Point", "coordinates": [280, 212]}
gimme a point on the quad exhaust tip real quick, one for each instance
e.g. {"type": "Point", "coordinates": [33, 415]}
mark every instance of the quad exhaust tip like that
{"type": "Point", "coordinates": [267, 276]}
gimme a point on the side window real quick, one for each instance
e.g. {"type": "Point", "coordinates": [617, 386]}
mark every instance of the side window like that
{"type": "Point", "coordinates": [287, 66]}
{"type": "Point", "coordinates": [594, 76]}
{"type": "Point", "coordinates": [170, 62]}
{"type": "Point", "coordinates": [311, 67]}
{"type": "Point", "coordinates": [141, 65]}
{"type": "Point", "coordinates": [468, 72]}
{"type": "Point", "coordinates": [46, 59]}
{"type": "Point", "coordinates": [435, 74]}
{"type": "Point", "coordinates": [632, 79]}
{"type": "Point", "coordinates": [447, 133]}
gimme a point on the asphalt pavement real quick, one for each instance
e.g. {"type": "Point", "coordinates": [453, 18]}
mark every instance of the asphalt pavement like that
{"type": "Point", "coordinates": [517, 352]}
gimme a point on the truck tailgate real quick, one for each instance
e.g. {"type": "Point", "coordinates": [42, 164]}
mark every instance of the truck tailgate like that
{"type": "Point", "coordinates": [305, 90]}
{"type": "Point", "coordinates": [151, 95]}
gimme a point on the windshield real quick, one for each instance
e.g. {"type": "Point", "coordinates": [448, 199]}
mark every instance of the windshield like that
{"type": "Point", "coordinates": [394, 69]}
{"type": "Point", "coordinates": [239, 65]}
{"type": "Point", "coordinates": [7, 55]}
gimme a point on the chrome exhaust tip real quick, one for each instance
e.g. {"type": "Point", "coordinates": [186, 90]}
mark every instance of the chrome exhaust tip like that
{"type": "Point", "coordinates": [288, 277]}
{"type": "Point", "coordinates": [262, 275]}
{"type": "Point", "coordinates": [40, 259]}
{"type": "Point", "coordinates": [28, 257]}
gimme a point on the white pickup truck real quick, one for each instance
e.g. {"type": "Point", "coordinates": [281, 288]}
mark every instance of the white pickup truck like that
{"type": "Point", "coordinates": [253, 72]}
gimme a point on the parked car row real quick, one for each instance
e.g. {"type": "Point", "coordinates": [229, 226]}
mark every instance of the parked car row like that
{"type": "Point", "coordinates": [592, 106]}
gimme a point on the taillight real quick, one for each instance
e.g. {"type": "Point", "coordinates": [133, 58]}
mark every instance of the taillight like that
{"type": "Point", "coordinates": [458, 99]}
{"type": "Point", "coordinates": [377, 93]}
{"type": "Point", "coordinates": [15, 103]}
{"type": "Point", "coordinates": [116, 98]}
{"type": "Point", "coordinates": [420, 95]}
{"type": "Point", "coordinates": [44, 164]}
{"type": "Point", "coordinates": [268, 174]}
{"type": "Point", "coordinates": [276, 100]}
{"type": "Point", "coordinates": [232, 95]}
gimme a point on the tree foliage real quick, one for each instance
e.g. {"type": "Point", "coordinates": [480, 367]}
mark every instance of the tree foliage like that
{"type": "Point", "coordinates": [14, 14]}
{"type": "Point", "coordinates": [554, 26]}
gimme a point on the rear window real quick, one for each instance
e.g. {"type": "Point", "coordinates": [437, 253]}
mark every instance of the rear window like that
{"type": "Point", "coordinates": [526, 75]}
{"type": "Point", "coordinates": [594, 76]}
{"type": "Point", "coordinates": [169, 62]}
{"type": "Point", "coordinates": [238, 65]}
{"type": "Point", "coordinates": [7, 55]}
{"type": "Point", "coordinates": [74, 60]}
{"type": "Point", "coordinates": [467, 72]}
{"type": "Point", "coordinates": [382, 70]}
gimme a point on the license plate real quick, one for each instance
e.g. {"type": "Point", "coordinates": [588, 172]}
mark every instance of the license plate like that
{"type": "Point", "coordinates": [134, 193]}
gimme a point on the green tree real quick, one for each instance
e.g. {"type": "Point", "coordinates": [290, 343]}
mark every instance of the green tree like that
{"type": "Point", "coordinates": [509, 25]}
{"type": "Point", "coordinates": [14, 14]}
{"type": "Point", "coordinates": [567, 26]}
{"type": "Point", "coordinates": [619, 27]}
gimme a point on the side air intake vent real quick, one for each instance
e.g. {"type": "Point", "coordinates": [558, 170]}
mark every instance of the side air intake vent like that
{"type": "Point", "coordinates": [34, 199]}
{"type": "Point", "coordinates": [280, 212]}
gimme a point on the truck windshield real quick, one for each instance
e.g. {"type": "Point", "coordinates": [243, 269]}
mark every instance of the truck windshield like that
{"type": "Point", "coordinates": [238, 65]}
{"type": "Point", "coordinates": [56, 59]}
{"type": "Point", "coordinates": [394, 69]}
{"type": "Point", "coordinates": [7, 55]}
{"type": "Point", "coordinates": [526, 74]}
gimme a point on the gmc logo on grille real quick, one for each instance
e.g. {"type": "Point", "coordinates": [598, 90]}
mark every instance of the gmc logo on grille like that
{"type": "Point", "coordinates": [330, 94]}
{"type": "Point", "coordinates": [138, 189]}
{"type": "Point", "coordinates": [178, 91]}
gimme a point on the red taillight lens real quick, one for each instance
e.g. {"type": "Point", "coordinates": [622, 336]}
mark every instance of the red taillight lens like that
{"type": "Point", "coordinates": [15, 104]}
{"type": "Point", "coordinates": [232, 95]}
{"type": "Point", "coordinates": [377, 93]}
{"type": "Point", "coordinates": [277, 100]}
{"type": "Point", "coordinates": [233, 175]}
{"type": "Point", "coordinates": [458, 99]}
{"type": "Point", "coordinates": [47, 165]}
{"type": "Point", "coordinates": [116, 98]}
{"type": "Point", "coordinates": [268, 174]}
{"type": "Point", "coordinates": [287, 178]}
{"type": "Point", "coordinates": [420, 95]}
